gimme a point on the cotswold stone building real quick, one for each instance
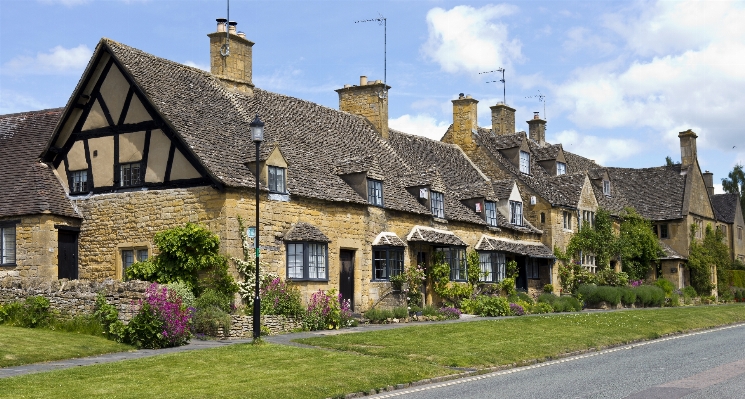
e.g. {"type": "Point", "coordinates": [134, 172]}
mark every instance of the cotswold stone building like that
{"type": "Point", "coordinates": [145, 144]}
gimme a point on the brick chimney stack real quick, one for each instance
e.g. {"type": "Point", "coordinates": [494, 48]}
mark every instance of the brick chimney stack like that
{"type": "Point", "coordinates": [465, 122]}
{"type": "Point", "coordinates": [369, 99]}
{"type": "Point", "coordinates": [537, 130]}
{"type": "Point", "coordinates": [234, 69]}
{"type": "Point", "coordinates": [688, 153]}
{"type": "Point", "coordinates": [709, 182]}
{"type": "Point", "coordinates": [502, 119]}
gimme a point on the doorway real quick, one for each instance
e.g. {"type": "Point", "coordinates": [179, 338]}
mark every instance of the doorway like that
{"type": "Point", "coordinates": [67, 259]}
{"type": "Point", "coordinates": [346, 275]}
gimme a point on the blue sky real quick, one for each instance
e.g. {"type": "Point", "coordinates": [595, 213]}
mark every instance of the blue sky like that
{"type": "Point", "coordinates": [620, 79]}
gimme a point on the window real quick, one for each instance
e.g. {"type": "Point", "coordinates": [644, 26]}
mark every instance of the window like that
{"type": "Point", "coordinates": [387, 262]}
{"type": "Point", "coordinates": [375, 192]}
{"type": "Point", "coordinates": [699, 227]}
{"type": "Point", "coordinates": [491, 213]}
{"type": "Point", "coordinates": [516, 213]}
{"type": "Point", "coordinates": [588, 217]}
{"type": "Point", "coordinates": [561, 168]}
{"type": "Point", "coordinates": [492, 266]}
{"type": "Point", "coordinates": [531, 269]}
{"type": "Point", "coordinates": [567, 220]}
{"type": "Point", "coordinates": [130, 174]}
{"type": "Point", "coordinates": [663, 231]}
{"type": "Point", "coordinates": [739, 233]}
{"type": "Point", "coordinates": [724, 230]}
{"type": "Point", "coordinates": [543, 217]}
{"type": "Point", "coordinates": [437, 204]}
{"type": "Point", "coordinates": [307, 261]}
{"type": "Point", "coordinates": [606, 187]}
{"type": "Point", "coordinates": [130, 256]}
{"type": "Point", "coordinates": [79, 179]}
{"type": "Point", "coordinates": [588, 261]}
{"type": "Point", "coordinates": [524, 162]}
{"type": "Point", "coordinates": [7, 244]}
{"type": "Point", "coordinates": [277, 179]}
{"type": "Point", "coordinates": [456, 258]}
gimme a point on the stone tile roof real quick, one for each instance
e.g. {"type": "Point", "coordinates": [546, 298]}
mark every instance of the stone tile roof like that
{"type": "Point", "coordinates": [503, 188]}
{"type": "Point", "coordinates": [669, 252]}
{"type": "Point", "coordinates": [305, 232]}
{"type": "Point", "coordinates": [527, 248]}
{"type": "Point", "coordinates": [725, 207]}
{"type": "Point", "coordinates": [656, 193]}
{"type": "Point", "coordinates": [503, 223]}
{"type": "Point", "coordinates": [27, 186]}
{"type": "Point", "coordinates": [550, 151]}
{"type": "Point", "coordinates": [433, 236]}
{"type": "Point", "coordinates": [388, 238]}
{"type": "Point", "coordinates": [614, 203]}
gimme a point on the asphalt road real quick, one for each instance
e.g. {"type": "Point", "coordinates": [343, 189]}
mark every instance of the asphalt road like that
{"type": "Point", "coordinates": [708, 364]}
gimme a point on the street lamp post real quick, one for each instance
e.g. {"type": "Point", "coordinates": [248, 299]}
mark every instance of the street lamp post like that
{"type": "Point", "coordinates": [257, 135]}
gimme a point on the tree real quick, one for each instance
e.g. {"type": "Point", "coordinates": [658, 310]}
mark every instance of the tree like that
{"type": "Point", "coordinates": [638, 245]}
{"type": "Point", "coordinates": [668, 161]}
{"type": "Point", "coordinates": [735, 184]}
{"type": "Point", "coordinates": [597, 239]}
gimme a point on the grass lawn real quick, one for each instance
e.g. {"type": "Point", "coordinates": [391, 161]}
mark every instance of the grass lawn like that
{"type": "Point", "coordinates": [366, 360]}
{"type": "Point", "coordinates": [33, 345]}
{"type": "Point", "coordinates": [499, 342]}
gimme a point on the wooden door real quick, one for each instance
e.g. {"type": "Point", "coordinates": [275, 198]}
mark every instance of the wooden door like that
{"type": "Point", "coordinates": [67, 260]}
{"type": "Point", "coordinates": [346, 275]}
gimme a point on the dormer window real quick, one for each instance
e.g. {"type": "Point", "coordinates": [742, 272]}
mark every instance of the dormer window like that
{"type": "Point", "coordinates": [437, 204]}
{"type": "Point", "coordinates": [375, 192]}
{"type": "Point", "coordinates": [561, 168]}
{"type": "Point", "coordinates": [524, 162]}
{"type": "Point", "coordinates": [130, 174]}
{"type": "Point", "coordinates": [277, 179]}
{"type": "Point", "coordinates": [79, 179]}
{"type": "Point", "coordinates": [516, 213]}
{"type": "Point", "coordinates": [606, 187]}
{"type": "Point", "coordinates": [491, 213]}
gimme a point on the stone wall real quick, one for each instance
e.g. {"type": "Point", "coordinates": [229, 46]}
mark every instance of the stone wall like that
{"type": "Point", "coordinates": [71, 298]}
{"type": "Point", "coordinates": [241, 326]}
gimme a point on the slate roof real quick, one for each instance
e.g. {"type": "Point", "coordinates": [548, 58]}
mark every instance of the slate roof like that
{"type": "Point", "coordinates": [388, 238]}
{"type": "Point", "coordinates": [305, 232]}
{"type": "Point", "coordinates": [319, 143]}
{"type": "Point", "coordinates": [669, 252]}
{"type": "Point", "coordinates": [433, 236]}
{"type": "Point", "coordinates": [725, 207]}
{"type": "Point", "coordinates": [656, 193]}
{"type": "Point", "coordinates": [504, 223]}
{"type": "Point", "coordinates": [528, 248]}
{"type": "Point", "coordinates": [27, 186]}
{"type": "Point", "coordinates": [550, 151]}
{"type": "Point", "coordinates": [503, 188]}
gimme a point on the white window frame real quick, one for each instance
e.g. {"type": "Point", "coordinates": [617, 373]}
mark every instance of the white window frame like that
{"type": "Point", "coordinates": [492, 266]}
{"type": "Point", "coordinates": [561, 168]}
{"type": "Point", "coordinates": [491, 213]}
{"type": "Point", "coordinates": [79, 181]}
{"type": "Point", "coordinates": [588, 261]}
{"type": "Point", "coordinates": [8, 244]}
{"type": "Point", "coordinates": [437, 204]}
{"type": "Point", "coordinates": [606, 188]}
{"type": "Point", "coordinates": [525, 162]}
{"type": "Point", "coordinates": [567, 220]}
{"type": "Point", "coordinates": [310, 263]}
{"type": "Point", "coordinates": [516, 213]}
{"type": "Point", "coordinates": [277, 179]}
{"type": "Point", "coordinates": [375, 192]}
{"type": "Point", "coordinates": [127, 175]}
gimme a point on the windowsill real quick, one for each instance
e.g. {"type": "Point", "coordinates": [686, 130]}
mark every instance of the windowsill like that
{"type": "Point", "coordinates": [8, 264]}
{"type": "Point", "coordinates": [279, 197]}
{"type": "Point", "coordinates": [439, 220]}
{"type": "Point", "coordinates": [312, 280]}
{"type": "Point", "coordinates": [568, 230]}
{"type": "Point", "coordinates": [380, 281]}
{"type": "Point", "coordinates": [493, 228]}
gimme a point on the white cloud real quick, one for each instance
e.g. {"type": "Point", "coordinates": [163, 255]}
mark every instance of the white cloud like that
{"type": "Point", "coordinates": [582, 38]}
{"type": "Point", "coordinates": [58, 60]}
{"type": "Point", "coordinates": [699, 88]}
{"type": "Point", "coordinates": [12, 102]}
{"type": "Point", "coordinates": [193, 64]}
{"type": "Point", "coordinates": [420, 124]}
{"type": "Point", "coordinates": [467, 39]}
{"type": "Point", "coordinates": [602, 150]}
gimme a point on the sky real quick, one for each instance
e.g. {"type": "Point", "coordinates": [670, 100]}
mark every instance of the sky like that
{"type": "Point", "coordinates": [616, 80]}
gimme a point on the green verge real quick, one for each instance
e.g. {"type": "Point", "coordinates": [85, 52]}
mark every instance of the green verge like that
{"type": "Point", "coordinates": [20, 346]}
{"type": "Point", "coordinates": [245, 370]}
{"type": "Point", "coordinates": [491, 343]}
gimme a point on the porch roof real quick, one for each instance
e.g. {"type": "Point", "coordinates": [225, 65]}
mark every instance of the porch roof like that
{"type": "Point", "coordinates": [528, 248]}
{"type": "Point", "coordinates": [434, 236]}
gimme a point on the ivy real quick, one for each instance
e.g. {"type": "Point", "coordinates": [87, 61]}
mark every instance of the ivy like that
{"type": "Point", "coordinates": [638, 245]}
{"type": "Point", "coordinates": [711, 251]}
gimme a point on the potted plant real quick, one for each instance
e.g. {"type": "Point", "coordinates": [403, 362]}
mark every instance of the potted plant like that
{"type": "Point", "coordinates": [398, 281]}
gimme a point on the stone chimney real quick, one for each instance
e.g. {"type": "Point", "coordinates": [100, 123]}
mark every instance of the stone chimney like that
{"type": "Point", "coordinates": [369, 99]}
{"type": "Point", "coordinates": [465, 122]}
{"type": "Point", "coordinates": [502, 119]}
{"type": "Point", "coordinates": [709, 182]}
{"type": "Point", "coordinates": [688, 154]}
{"type": "Point", "coordinates": [537, 129]}
{"type": "Point", "coordinates": [235, 68]}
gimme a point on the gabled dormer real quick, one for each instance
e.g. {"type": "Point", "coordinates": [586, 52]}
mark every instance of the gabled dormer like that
{"type": "Point", "coordinates": [111, 138]}
{"type": "Point", "coordinates": [601, 180]}
{"type": "Point", "coordinates": [510, 203]}
{"type": "Point", "coordinates": [551, 159]}
{"type": "Point", "coordinates": [273, 168]}
{"type": "Point", "coordinates": [429, 189]}
{"type": "Point", "coordinates": [365, 177]}
{"type": "Point", "coordinates": [516, 149]}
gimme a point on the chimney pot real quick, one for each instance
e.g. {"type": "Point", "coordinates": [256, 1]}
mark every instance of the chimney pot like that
{"type": "Point", "coordinates": [536, 115]}
{"type": "Point", "coordinates": [346, 86]}
{"type": "Point", "coordinates": [468, 96]}
{"type": "Point", "coordinates": [231, 28]}
{"type": "Point", "coordinates": [221, 24]}
{"type": "Point", "coordinates": [461, 95]}
{"type": "Point", "coordinates": [363, 80]}
{"type": "Point", "coordinates": [241, 35]}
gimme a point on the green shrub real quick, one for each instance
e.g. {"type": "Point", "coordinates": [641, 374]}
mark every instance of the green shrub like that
{"type": "Point", "coordinates": [487, 306]}
{"type": "Point", "coordinates": [674, 300]}
{"type": "Point", "coordinates": [31, 313]}
{"type": "Point", "coordinates": [280, 298]}
{"type": "Point", "coordinates": [666, 286]}
{"type": "Point", "coordinates": [378, 315]}
{"type": "Point", "coordinates": [521, 296]}
{"type": "Point", "coordinates": [181, 290]}
{"type": "Point", "coordinates": [588, 293]}
{"type": "Point", "coordinates": [548, 298]}
{"type": "Point", "coordinates": [145, 329]}
{"type": "Point", "coordinates": [400, 312]}
{"type": "Point", "coordinates": [507, 286]}
{"type": "Point", "coordinates": [567, 304]}
{"type": "Point", "coordinates": [80, 324]}
{"type": "Point", "coordinates": [737, 278]}
{"type": "Point", "coordinates": [108, 316]}
{"type": "Point", "coordinates": [648, 295]}
{"type": "Point", "coordinates": [216, 276]}
{"type": "Point", "coordinates": [689, 291]}
{"type": "Point", "coordinates": [611, 295]}
{"type": "Point", "coordinates": [430, 310]}
{"type": "Point", "coordinates": [610, 277]}
{"type": "Point", "coordinates": [541, 307]}
{"type": "Point", "coordinates": [628, 296]}
{"type": "Point", "coordinates": [548, 288]}
{"type": "Point", "coordinates": [207, 321]}
{"type": "Point", "coordinates": [10, 313]}
{"type": "Point", "coordinates": [212, 298]}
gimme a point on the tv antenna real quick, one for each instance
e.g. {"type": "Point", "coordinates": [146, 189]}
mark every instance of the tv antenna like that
{"type": "Point", "coordinates": [542, 98]}
{"type": "Point", "coordinates": [225, 48]}
{"type": "Point", "coordinates": [381, 20]}
{"type": "Point", "coordinates": [504, 85]}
